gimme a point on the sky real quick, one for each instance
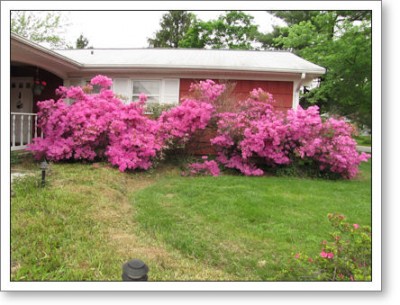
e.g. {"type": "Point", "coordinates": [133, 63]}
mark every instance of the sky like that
{"type": "Point", "coordinates": [130, 29]}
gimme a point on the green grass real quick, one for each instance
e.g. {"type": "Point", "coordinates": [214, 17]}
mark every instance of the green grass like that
{"type": "Point", "coordinates": [363, 140]}
{"type": "Point", "coordinates": [239, 223]}
{"type": "Point", "coordinates": [89, 220]}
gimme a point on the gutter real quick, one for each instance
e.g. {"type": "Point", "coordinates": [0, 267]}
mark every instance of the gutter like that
{"type": "Point", "coordinates": [42, 49]}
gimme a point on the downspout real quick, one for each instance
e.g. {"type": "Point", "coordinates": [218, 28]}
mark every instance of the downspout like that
{"type": "Point", "coordinates": [296, 90]}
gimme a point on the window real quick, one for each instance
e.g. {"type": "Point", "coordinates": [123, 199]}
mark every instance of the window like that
{"type": "Point", "coordinates": [149, 87]}
{"type": "Point", "coordinates": [162, 91]}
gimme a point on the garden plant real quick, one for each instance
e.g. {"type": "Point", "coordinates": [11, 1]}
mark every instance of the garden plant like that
{"type": "Point", "coordinates": [346, 257]}
{"type": "Point", "coordinates": [253, 136]}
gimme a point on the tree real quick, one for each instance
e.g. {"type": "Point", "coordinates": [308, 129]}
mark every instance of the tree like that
{"type": "Point", "coordinates": [82, 42]}
{"type": "Point", "coordinates": [173, 25]}
{"type": "Point", "coordinates": [294, 17]}
{"type": "Point", "coordinates": [38, 27]}
{"type": "Point", "coordinates": [234, 30]}
{"type": "Point", "coordinates": [290, 18]}
{"type": "Point", "coordinates": [341, 42]}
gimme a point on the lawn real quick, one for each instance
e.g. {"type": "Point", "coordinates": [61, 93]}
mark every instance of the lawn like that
{"type": "Point", "coordinates": [363, 140]}
{"type": "Point", "coordinates": [90, 219]}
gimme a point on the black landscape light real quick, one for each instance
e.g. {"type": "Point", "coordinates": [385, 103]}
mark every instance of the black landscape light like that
{"type": "Point", "coordinates": [135, 270]}
{"type": "Point", "coordinates": [44, 166]}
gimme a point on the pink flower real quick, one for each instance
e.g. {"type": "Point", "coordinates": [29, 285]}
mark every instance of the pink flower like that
{"type": "Point", "coordinates": [204, 157]}
{"type": "Point", "coordinates": [102, 81]}
{"type": "Point", "coordinates": [356, 226]}
{"type": "Point", "coordinates": [328, 255]}
{"type": "Point", "coordinates": [297, 255]}
{"type": "Point", "coordinates": [142, 97]}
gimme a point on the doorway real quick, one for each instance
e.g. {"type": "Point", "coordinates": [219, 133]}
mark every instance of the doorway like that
{"type": "Point", "coordinates": [21, 106]}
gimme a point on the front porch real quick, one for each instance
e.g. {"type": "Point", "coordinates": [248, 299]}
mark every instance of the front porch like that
{"type": "Point", "coordinates": [24, 84]}
{"type": "Point", "coordinates": [24, 127]}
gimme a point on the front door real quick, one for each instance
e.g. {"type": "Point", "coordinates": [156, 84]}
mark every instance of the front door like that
{"type": "Point", "coordinates": [21, 103]}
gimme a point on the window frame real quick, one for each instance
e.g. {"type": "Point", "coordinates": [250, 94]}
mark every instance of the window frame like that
{"type": "Point", "coordinates": [162, 90]}
{"type": "Point", "coordinates": [135, 97]}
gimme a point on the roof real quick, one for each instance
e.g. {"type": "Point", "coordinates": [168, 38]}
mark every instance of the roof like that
{"type": "Point", "coordinates": [178, 59]}
{"type": "Point", "coordinates": [263, 61]}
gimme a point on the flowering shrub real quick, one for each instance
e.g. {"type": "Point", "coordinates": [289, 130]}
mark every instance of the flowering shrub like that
{"type": "Point", "coordinates": [257, 130]}
{"type": "Point", "coordinates": [102, 81]}
{"type": "Point", "coordinates": [207, 91]}
{"type": "Point", "coordinates": [133, 139]}
{"type": "Point", "coordinates": [347, 257]}
{"type": "Point", "coordinates": [76, 131]}
{"type": "Point", "coordinates": [329, 144]}
{"type": "Point", "coordinates": [208, 167]}
{"type": "Point", "coordinates": [101, 126]}
{"type": "Point", "coordinates": [182, 121]}
{"type": "Point", "coordinates": [259, 133]}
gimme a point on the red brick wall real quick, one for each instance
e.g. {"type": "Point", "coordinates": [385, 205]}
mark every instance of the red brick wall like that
{"type": "Point", "coordinates": [282, 91]}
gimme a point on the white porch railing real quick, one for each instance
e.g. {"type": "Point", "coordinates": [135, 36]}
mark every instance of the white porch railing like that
{"type": "Point", "coordinates": [23, 128]}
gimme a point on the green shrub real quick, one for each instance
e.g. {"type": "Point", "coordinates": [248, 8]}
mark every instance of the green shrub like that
{"type": "Point", "coordinates": [154, 110]}
{"type": "Point", "coordinates": [304, 168]}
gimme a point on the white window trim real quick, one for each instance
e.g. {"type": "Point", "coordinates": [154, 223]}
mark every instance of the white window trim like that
{"type": "Point", "coordinates": [81, 81]}
{"type": "Point", "coordinates": [162, 95]}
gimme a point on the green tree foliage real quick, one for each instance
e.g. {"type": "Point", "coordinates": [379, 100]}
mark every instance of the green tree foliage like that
{"type": "Point", "coordinates": [290, 18]}
{"type": "Point", "coordinates": [233, 30]}
{"type": "Point", "coordinates": [294, 17]}
{"type": "Point", "coordinates": [82, 42]}
{"type": "Point", "coordinates": [173, 25]}
{"type": "Point", "coordinates": [341, 42]}
{"type": "Point", "coordinates": [38, 27]}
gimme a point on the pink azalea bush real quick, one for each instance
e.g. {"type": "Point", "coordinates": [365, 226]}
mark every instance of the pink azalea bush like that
{"type": "Point", "coordinates": [133, 138]}
{"type": "Point", "coordinates": [258, 133]}
{"type": "Point", "coordinates": [208, 167]}
{"type": "Point", "coordinates": [102, 126]}
{"type": "Point", "coordinates": [78, 130]}
{"type": "Point", "coordinates": [181, 122]}
{"type": "Point", "coordinates": [329, 144]}
{"type": "Point", "coordinates": [207, 91]}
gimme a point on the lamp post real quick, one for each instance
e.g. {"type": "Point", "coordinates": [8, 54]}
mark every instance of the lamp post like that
{"type": "Point", "coordinates": [134, 270]}
{"type": "Point", "coordinates": [44, 166]}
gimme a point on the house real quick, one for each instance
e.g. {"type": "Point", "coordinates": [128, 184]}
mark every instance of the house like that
{"type": "Point", "coordinates": [164, 75]}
